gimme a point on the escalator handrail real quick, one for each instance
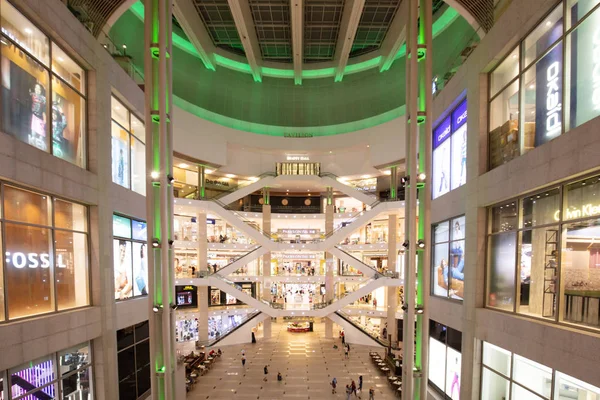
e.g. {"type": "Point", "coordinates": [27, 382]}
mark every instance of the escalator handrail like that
{"type": "Point", "coordinates": [235, 260]}
{"type": "Point", "coordinates": [346, 318]}
{"type": "Point", "coordinates": [236, 213]}
{"type": "Point", "coordinates": [235, 188]}
{"type": "Point", "coordinates": [377, 274]}
{"type": "Point", "coordinates": [211, 342]}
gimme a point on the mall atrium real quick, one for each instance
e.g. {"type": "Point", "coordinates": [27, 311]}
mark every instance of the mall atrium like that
{"type": "Point", "coordinates": [266, 199]}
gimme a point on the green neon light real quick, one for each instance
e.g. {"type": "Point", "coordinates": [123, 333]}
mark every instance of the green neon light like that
{"type": "Point", "coordinates": [439, 25]}
{"type": "Point", "coordinates": [273, 130]}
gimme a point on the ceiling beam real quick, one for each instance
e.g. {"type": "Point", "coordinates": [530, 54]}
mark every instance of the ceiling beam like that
{"type": "Point", "coordinates": [194, 28]}
{"type": "Point", "coordinates": [395, 37]}
{"type": "Point", "coordinates": [297, 16]}
{"type": "Point", "coordinates": [242, 15]}
{"type": "Point", "coordinates": [350, 18]}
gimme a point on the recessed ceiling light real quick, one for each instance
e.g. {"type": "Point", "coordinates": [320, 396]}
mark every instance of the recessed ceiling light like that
{"type": "Point", "coordinates": [28, 31]}
{"type": "Point", "coordinates": [183, 165]}
{"type": "Point", "coordinates": [387, 172]}
{"type": "Point", "coordinates": [366, 176]}
{"type": "Point", "coordinates": [330, 151]}
{"type": "Point", "coordinates": [60, 59]}
{"type": "Point", "coordinates": [230, 175]}
{"type": "Point", "coordinates": [548, 23]}
{"type": "Point", "coordinates": [209, 171]}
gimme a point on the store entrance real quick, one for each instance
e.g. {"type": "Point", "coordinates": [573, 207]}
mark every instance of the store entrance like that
{"type": "Point", "coordinates": [298, 296]}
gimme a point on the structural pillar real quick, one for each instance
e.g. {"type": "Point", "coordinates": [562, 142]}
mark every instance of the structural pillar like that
{"type": "Point", "coordinates": [159, 197]}
{"type": "Point", "coordinates": [394, 182]}
{"type": "Point", "coordinates": [418, 199]}
{"type": "Point", "coordinates": [201, 182]}
{"type": "Point", "coordinates": [202, 267]}
{"type": "Point", "coordinates": [329, 290]}
{"type": "Point", "coordinates": [266, 284]}
{"type": "Point", "coordinates": [203, 313]}
{"type": "Point", "coordinates": [392, 291]}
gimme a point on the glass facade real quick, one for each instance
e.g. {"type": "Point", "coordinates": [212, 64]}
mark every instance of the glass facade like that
{"type": "Point", "coordinates": [529, 102]}
{"type": "Point", "coordinates": [63, 375]}
{"type": "Point", "coordinates": [46, 262]}
{"type": "Point", "coordinates": [543, 256]}
{"type": "Point", "coordinates": [133, 357]}
{"type": "Point", "coordinates": [449, 157]}
{"type": "Point", "coordinates": [509, 376]}
{"type": "Point", "coordinates": [128, 149]}
{"type": "Point", "coordinates": [445, 360]}
{"type": "Point", "coordinates": [448, 258]}
{"type": "Point", "coordinates": [130, 257]}
{"type": "Point", "coordinates": [43, 90]}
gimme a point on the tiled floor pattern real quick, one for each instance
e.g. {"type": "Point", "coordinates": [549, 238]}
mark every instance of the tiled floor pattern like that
{"type": "Point", "coordinates": [307, 361]}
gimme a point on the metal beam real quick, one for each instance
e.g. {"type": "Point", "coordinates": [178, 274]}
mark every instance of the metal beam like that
{"type": "Point", "coordinates": [350, 18]}
{"type": "Point", "coordinates": [242, 15]}
{"type": "Point", "coordinates": [194, 28]}
{"type": "Point", "coordinates": [395, 37]}
{"type": "Point", "coordinates": [297, 15]}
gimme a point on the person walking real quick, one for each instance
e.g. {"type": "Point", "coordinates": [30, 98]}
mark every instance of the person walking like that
{"type": "Point", "coordinates": [266, 373]}
{"type": "Point", "coordinates": [348, 350]}
{"type": "Point", "coordinates": [345, 352]}
{"type": "Point", "coordinates": [343, 338]}
{"type": "Point", "coordinates": [244, 361]}
{"type": "Point", "coordinates": [333, 385]}
{"type": "Point", "coordinates": [371, 393]}
{"type": "Point", "coordinates": [348, 392]}
{"type": "Point", "coordinates": [360, 383]}
{"type": "Point", "coordinates": [353, 387]}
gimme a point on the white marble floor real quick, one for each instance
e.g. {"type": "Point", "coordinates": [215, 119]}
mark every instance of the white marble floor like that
{"type": "Point", "coordinates": [307, 361]}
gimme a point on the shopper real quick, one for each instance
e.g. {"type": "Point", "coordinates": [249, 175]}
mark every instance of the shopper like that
{"type": "Point", "coordinates": [333, 385]}
{"type": "Point", "coordinates": [343, 338]}
{"type": "Point", "coordinates": [279, 377]}
{"type": "Point", "coordinates": [266, 373]}
{"type": "Point", "coordinates": [374, 303]}
{"type": "Point", "coordinates": [371, 393]}
{"type": "Point", "coordinates": [353, 387]}
{"type": "Point", "coordinates": [243, 361]}
{"type": "Point", "coordinates": [345, 352]}
{"type": "Point", "coordinates": [348, 392]}
{"type": "Point", "coordinates": [360, 383]}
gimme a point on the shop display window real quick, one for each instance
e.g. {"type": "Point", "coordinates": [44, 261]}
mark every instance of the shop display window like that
{"type": "Point", "coordinates": [505, 72]}
{"type": "Point", "coordinates": [450, 152]}
{"type": "Point", "coordinates": [527, 379]}
{"type": "Point", "coordinates": [130, 257]}
{"type": "Point", "coordinates": [543, 254]}
{"type": "Point", "coordinates": [133, 358]}
{"type": "Point", "coordinates": [128, 149]}
{"type": "Point", "coordinates": [542, 37]}
{"type": "Point", "coordinates": [41, 106]}
{"type": "Point", "coordinates": [186, 330]}
{"type": "Point", "coordinates": [448, 258]}
{"type": "Point", "coordinates": [45, 265]}
{"type": "Point", "coordinates": [62, 375]}
{"type": "Point", "coordinates": [445, 360]}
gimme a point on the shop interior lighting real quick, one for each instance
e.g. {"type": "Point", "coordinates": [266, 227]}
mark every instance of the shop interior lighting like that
{"type": "Point", "coordinates": [183, 165]}
{"type": "Point", "coordinates": [366, 176]}
{"type": "Point", "coordinates": [209, 171]}
{"type": "Point", "coordinates": [230, 176]}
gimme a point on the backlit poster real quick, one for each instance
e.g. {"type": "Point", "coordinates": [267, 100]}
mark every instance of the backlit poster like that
{"type": "Point", "coordinates": [548, 105]}
{"type": "Point", "coordinates": [441, 159]}
{"type": "Point", "coordinates": [120, 157]}
{"type": "Point", "coordinates": [140, 269]}
{"type": "Point", "coordinates": [437, 365]}
{"type": "Point", "coordinates": [450, 152]}
{"type": "Point", "coordinates": [123, 269]}
{"type": "Point", "coordinates": [453, 364]}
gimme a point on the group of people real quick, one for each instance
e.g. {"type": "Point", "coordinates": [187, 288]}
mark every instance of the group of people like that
{"type": "Point", "coordinates": [299, 269]}
{"type": "Point", "coordinates": [351, 388]}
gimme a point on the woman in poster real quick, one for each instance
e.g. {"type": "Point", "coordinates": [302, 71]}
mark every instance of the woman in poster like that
{"type": "Point", "coordinates": [140, 279]}
{"type": "Point", "coordinates": [38, 117]}
{"type": "Point", "coordinates": [123, 286]}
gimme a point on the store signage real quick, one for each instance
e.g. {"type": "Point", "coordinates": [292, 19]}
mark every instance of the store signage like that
{"type": "Point", "coordinates": [139, 230]}
{"type": "Point", "coordinates": [459, 116]}
{"type": "Point", "coordinates": [14, 39]}
{"type": "Point", "coordinates": [211, 221]}
{"type": "Point", "coordinates": [298, 231]}
{"type": "Point", "coordinates": [189, 288]}
{"type": "Point", "coordinates": [298, 135]}
{"type": "Point", "coordinates": [217, 182]}
{"type": "Point", "coordinates": [442, 132]}
{"type": "Point", "coordinates": [291, 157]}
{"type": "Point", "coordinates": [548, 118]}
{"type": "Point", "coordinates": [588, 210]}
{"type": "Point", "coordinates": [121, 227]}
{"type": "Point", "coordinates": [298, 256]}
{"type": "Point", "coordinates": [21, 260]}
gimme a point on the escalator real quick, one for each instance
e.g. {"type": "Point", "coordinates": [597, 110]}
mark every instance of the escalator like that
{"type": "Point", "coordinates": [350, 327]}
{"type": "Point", "coordinates": [248, 321]}
{"type": "Point", "coordinates": [349, 259]}
{"type": "Point", "coordinates": [237, 192]}
{"type": "Point", "coordinates": [242, 261]}
{"type": "Point", "coordinates": [333, 181]}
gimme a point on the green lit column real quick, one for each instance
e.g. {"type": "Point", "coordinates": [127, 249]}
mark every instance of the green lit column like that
{"type": "Point", "coordinates": [201, 182]}
{"type": "Point", "coordinates": [266, 196]}
{"type": "Point", "coordinates": [159, 196]}
{"type": "Point", "coordinates": [394, 182]}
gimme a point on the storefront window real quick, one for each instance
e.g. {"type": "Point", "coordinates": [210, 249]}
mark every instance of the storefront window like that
{"type": "Point", "coordinates": [448, 258]}
{"type": "Point", "coordinates": [63, 375]}
{"type": "Point", "coordinates": [450, 152]}
{"type": "Point", "coordinates": [130, 257]}
{"type": "Point", "coordinates": [445, 359]}
{"type": "Point", "coordinates": [46, 268]}
{"type": "Point", "coordinates": [133, 358]}
{"type": "Point", "coordinates": [506, 72]}
{"type": "Point", "coordinates": [47, 115]}
{"type": "Point", "coordinates": [527, 379]}
{"type": "Point", "coordinates": [128, 149]}
{"type": "Point", "coordinates": [543, 252]}
{"type": "Point", "coordinates": [547, 32]}
{"type": "Point", "coordinates": [504, 125]}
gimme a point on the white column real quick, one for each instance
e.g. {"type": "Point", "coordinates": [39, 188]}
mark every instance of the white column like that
{"type": "Point", "coordinates": [330, 265]}
{"type": "Point", "coordinates": [202, 242]}
{"type": "Point", "coordinates": [392, 291]}
{"type": "Point", "coordinates": [203, 313]}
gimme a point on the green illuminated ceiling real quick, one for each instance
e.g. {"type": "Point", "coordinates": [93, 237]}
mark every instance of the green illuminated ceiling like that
{"type": "Point", "coordinates": [368, 95]}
